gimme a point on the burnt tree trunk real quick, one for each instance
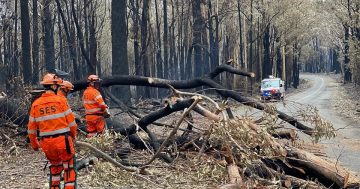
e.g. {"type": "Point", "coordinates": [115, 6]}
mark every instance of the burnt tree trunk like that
{"type": "Point", "coordinates": [172, 59]}
{"type": "Point", "coordinates": [250, 32]}
{"type": "Point", "coordinates": [25, 44]}
{"type": "Point", "coordinates": [119, 47]}
{"type": "Point", "coordinates": [16, 53]}
{"type": "Point", "coordinates": [165, 39]}
{"type": "Point", "coordinates": [61, 46]}
{"type": "Point", "coordinates": [159, 61]}
{"type": "Point", "coordinates": [135, 28]}
{"type": "Point", "coordinates": [205, 48]}
{"type": "Point", "coordinates": [259, 52]}
{"type": "Point", "coordinates": [347, 71]}
{"type": "Point", "coordinates": [48, 38]}
{"type": "Point", "coordinates": [86, 20]}
{"type": "Point", "coordinates": [211, 35]}
{"type": "Point", "coordinates": [296, 78]}
{"type": "Point", "coordinates": [181, 45]}
{"type": "Point", "coordinates": [336, 64]}
{"type": "Point", "coordinates": [241, 56]}
{"type": "Point", "coordinates": [144, 43]}
{"type": "Point", "coordinates": [187, 46]}
{"type": "Point", "coordinates": [279, 68]}
{"type": "Point", "coordinates": [197, 32]}
{"type": "Point", "coordinates": [267, 67]}
{"type": "Point", "coordinates": [35, 43]}
{"type": "Point", "coordinates": [251, 58]}
{"type": "Point", "coordinates": [92, 38]}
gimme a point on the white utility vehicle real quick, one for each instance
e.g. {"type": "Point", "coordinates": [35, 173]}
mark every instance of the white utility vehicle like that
{"type": "Point", "coordinates": [272, 88]}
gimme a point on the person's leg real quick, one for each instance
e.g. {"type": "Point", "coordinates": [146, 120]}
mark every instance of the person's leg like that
{"type": "Point", "coordinates": [55, 171]}
{"type": "Point", "coordinates": [91, 122]}
{"type": "Point", "coordinates": [69, 174]}
{"type": "Point", "coordinates": [68, 159]}
{"type": "Point", "coordinates": [100, 125]}
{"type": "Point", "coordinates": [49, 147]}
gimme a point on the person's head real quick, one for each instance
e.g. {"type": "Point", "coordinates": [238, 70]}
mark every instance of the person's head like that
{"type": "Point", "coordinates": [66, 87]}
{"type": "Point", "coordinates": [94, 80]}
{"type": "Point", "coordinates": [51, 82]}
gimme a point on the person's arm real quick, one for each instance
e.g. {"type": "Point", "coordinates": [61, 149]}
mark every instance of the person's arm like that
{"type": "Point", "coordinates": [33, 127]}
{"type": "Point", "coordinates": [100, 101]}
{"type": "Point", "coordinates": [70, 119]}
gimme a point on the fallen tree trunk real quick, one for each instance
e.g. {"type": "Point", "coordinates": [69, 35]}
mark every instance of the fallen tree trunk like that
{"type": "Point", "coordinates": [173, 132]}
{"type": "Point", "coordinates": [162, 83]}
{"type": "Point", "coordinates": [261, 171]}
{"type": "Point", "coordinates": [292, 182]}
{"type": "Point", "coordinates": [137, 115]}
{"type": "Point", "coordinates": [153, 116]}
{"type": "Point", "coordinates": [150, 118]}
{"type": "Point", "coordinates": [206, 80]}
{"type": "Point", "coordinates": [317, 166]}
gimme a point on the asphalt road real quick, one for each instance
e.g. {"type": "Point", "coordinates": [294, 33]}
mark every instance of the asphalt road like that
{"type": "Point", "coordinates": [346, 146]}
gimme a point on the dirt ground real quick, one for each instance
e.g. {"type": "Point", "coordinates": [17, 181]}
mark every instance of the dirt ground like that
{"type": "Point", "coordinates": [347, 101]}
{"type": "Point", "coordinates": [21, 167]}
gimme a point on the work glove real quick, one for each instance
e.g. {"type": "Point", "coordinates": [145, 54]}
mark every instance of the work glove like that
{"type": "Point", "coordinates": [107, 113]}
{"type": "Point", "coordinates": [35, 144]}
{"type": "Point", "coordinates": [35, 147]}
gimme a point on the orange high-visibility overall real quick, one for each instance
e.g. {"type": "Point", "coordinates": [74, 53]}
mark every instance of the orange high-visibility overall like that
{"type": "Point", "coordinates": [52, 117]}
{"type": "Point", "coordinates": [94, 108]}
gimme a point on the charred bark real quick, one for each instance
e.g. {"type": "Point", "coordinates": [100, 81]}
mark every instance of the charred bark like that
{"type": "Point", "coordinates": [48, 37]}
{"type": "Point", "coordinates": [35, 42]}
{"type": "Point", "coordinates": [144, 43]}
{"type": "Point", "coordinates": [197, 36]}
{"type": "Point", "coordinates": [165, 39]}
{"type": "Point", "coordinates": [25, 44]}
{"type": "Point", "coordinates": [15, 42]}
{"type": "Point", "coordinates": [347, 71]}
{"type": "Point", "coordinates": [150, 118]}
{"type": "Point", "coordinates": [119, 47]}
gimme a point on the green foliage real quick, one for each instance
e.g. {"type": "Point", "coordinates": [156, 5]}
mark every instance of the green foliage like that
{"type": "Point", "coordinates": [322, 128]}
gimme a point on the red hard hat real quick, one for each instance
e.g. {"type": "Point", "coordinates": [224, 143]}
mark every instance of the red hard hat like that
{"type": "Point", "coordinates": [93, 78]}
{"type": "Point", "coordinates": [51, 79]}
{"type": "Point", "coordinates": [67, 85]}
